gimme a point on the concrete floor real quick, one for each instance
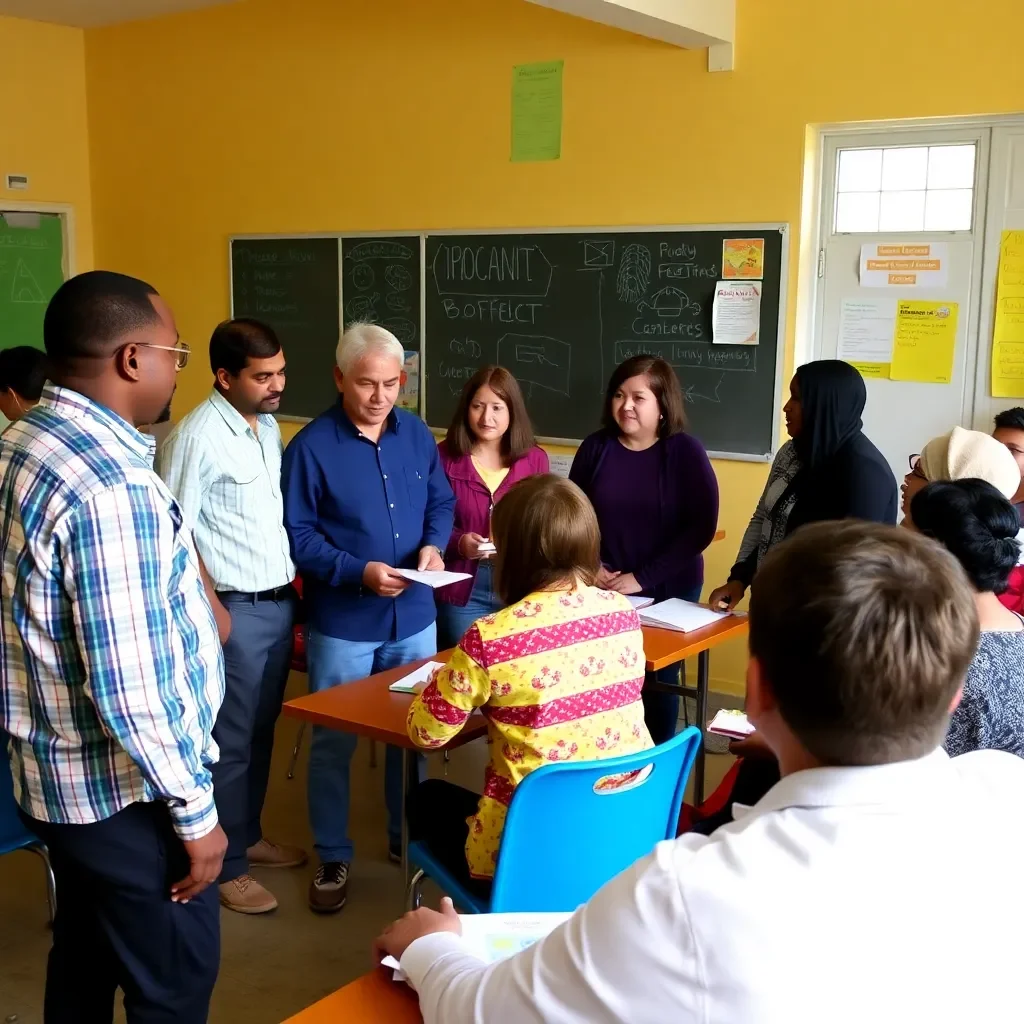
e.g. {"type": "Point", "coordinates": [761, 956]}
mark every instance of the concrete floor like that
{"type": "Point", "coordinates": [276, 964]}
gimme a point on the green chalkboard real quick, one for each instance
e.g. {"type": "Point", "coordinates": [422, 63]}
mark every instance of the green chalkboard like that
{"type": "Point", "coordinates": [293, 285]}
{"type": "Point", "coordinates": [31, 270]}
{"type": "Point", "coordinates": [561, 309]}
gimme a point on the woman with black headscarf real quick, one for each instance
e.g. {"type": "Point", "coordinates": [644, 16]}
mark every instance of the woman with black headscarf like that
{"type": "Point", "coordinates": [829, 470]}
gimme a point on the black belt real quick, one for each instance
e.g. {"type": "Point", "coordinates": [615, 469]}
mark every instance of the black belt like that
{"type": "Point", "coordinates": [275, 594]}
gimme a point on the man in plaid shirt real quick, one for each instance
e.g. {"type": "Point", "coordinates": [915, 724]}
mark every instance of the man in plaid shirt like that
{"type": "Point", "coordinates": [110, 670]}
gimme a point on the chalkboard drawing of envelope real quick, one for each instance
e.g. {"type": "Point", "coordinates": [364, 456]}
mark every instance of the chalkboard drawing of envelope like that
{"type": "Point", "coordinates": [599, 254]}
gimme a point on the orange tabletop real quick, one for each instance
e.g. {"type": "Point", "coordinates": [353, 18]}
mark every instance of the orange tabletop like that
{"type": "Point", "coordinates": [664, 647]}
{"type": "Point", "coordinates": [720, 535]}
{"type": "Point", "coordinates": [372, 999]}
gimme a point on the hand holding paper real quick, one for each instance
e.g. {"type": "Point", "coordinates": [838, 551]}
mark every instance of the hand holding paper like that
{"type": "Point", "coordinates": [432, 578]}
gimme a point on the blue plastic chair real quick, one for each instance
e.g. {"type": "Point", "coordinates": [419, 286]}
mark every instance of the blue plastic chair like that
{"type": "Point", "coordinates": [562, 840]}
{"type": "Point", "coordinates": [13, 834]}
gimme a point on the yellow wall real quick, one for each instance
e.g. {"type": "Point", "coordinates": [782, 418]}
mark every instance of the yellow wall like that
{"type": "Point", "coordinates": [329, 115]}
{"type": "Point", "coordinates": [43, 125]}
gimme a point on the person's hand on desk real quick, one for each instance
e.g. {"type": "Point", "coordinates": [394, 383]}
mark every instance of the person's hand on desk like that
{"type": "Point", "coordinates": [725, 599]}
{"type": "Point", "coordinates": [399, 936]}
{"type": "Point", "coordinates": [469, 547]}
{"type": "Point", "coordinates": [430, 560]}
{"type": "Point", "coordinates": [383, 580]}
{"type": "Point", "coordinates": [625, 583]}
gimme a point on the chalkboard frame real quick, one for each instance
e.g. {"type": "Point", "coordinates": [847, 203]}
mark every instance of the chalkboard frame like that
{"type": "Point", "coordinates": [742, 228]}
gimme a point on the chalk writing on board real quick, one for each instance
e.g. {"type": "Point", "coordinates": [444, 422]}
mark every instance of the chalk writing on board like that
{"type": "Point", "coordinates": [398, 277]}
{"type": "Point", "coordinates": [492, 310]}
{"type": "Point", "coordinates": [696, 356]}
{"type": "Point", "coordinates": [379, 250]}
{"type": "Point", "coordinates": [404, 330]}
{"type": "Point", "coordinates": [467, 347]}
{"type": "Point", "coordinates": [396, 302]}
{"type": "Point", "coordinates": [537, 359]}
{"type": "Point", "coordinates": [362, 276]}
{"type": "Point", "coordinates": [634, 273]}
{"type": "Point", "coordinates": [683, 271]}
{"type": "Point", "coordinates": [598, 255]}
{"type": "Point", "coordinates": [362, 307]}
{"type": "Point", "coordinates": [507, 269]}
{"type": "Point", "coordinates": [24, 287]}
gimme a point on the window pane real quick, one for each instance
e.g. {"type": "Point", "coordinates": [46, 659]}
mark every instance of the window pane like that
{"type": "Point", "coordinates": [904, 169]}
{"type": "Point", "coordinates": [948, 210]}
{"type": "Point", "coordinates": [857, 211]}
{"type": "Point", "coordinates": [860, 170]}
{"type": "Point", "coordinates": [951, 167]}
{"type": "Point", "coordinates": [901, 211]}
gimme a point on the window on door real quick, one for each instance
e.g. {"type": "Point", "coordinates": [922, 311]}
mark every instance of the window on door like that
{"type": "Point", "coordinates": [905, 188]}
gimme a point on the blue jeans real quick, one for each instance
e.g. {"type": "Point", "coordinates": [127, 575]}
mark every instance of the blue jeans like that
{"type": "Point", "coordinates": [453, 621]}
{"type": "Point", "coordinates": [661, 710]}
{"type": "Point", "coordinates": [331, 661]}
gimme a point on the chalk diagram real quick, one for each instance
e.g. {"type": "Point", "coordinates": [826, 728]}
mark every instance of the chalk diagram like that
{"type": "Point", "coordinates": [634, 273]}
{"type": "Point", "coordinates": [598, 254]}
{"type": "Point", "coordinates": [363, 276]}
{"type": "Point", "coordinates": [670, 302]}
{"type": "Point", "coordinates": [404, 330]}
{"type": "Point", "coordinates": [538, 360]}
{"type": "Point", "coordinates": [379, 250]}
{"type": "Point", "coordinates": [24, 287]}
{"type": "Point", "coordinates": [398, 277]}
{"type": "Point", "coordinates": [396, 302]}
{"type": "Point", "coordinates": [693, 392]}
{"type": "Point", "coordinates": [362, 307]}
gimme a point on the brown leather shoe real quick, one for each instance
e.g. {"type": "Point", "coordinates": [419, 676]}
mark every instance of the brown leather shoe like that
{"type": "Point", "coordinates": [245, 895]}
{"type": "Point", "coordinates": [329, 889]}
{"type": "Point", "coordinates": [266, 854]}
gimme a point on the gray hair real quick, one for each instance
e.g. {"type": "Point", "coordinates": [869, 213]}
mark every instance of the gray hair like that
{"type": "Point", "coordinates": [362, 339]}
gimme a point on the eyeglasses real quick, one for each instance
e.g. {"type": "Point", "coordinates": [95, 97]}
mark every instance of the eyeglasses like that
{"type": "Point", "coordinates": [181, 351]}
{"type": "Point", "coordinates": [915, 465]}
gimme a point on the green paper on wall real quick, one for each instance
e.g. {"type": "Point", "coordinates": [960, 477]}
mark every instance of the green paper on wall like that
{"type": "Point", "coordinates": [537, 111]}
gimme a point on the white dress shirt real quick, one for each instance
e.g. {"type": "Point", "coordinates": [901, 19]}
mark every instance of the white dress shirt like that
{"type": "Point", "coordinates": [227, 480]}
{"type": "Point", "coordinates": [852, 895]}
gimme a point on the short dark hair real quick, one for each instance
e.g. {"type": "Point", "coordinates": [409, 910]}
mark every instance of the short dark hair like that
{"type": "Point", "coordinates": [518, 439]}
{"type": "Point", "coordinates": [23, 371]}
{"type": "Point", "coordinates": [1011, 419]}
{"type": "Point", "coordinates": [975, 523]}
{"type": "Point", "coordinates": [545, 532]}
{"type": "Point", "coordinates": [663, 383]}
{"type": "Point", "coordinates": [864, 633]}
{"type": "Point", "coordinates": [91, 313]}
{"type": "Point", "coordinates": [234, 342]}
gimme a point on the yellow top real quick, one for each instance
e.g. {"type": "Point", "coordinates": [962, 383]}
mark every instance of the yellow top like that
{"type": "Point", "coordinates": [492, 478]}
{"type": "Point", "coordinates": [558, 677]}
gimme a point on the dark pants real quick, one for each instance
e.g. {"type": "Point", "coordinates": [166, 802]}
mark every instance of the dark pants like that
{"type": "Point", "coordinates": [756, 776]}
{"type": "Point", "coordinates": [257, 658]}
{"type": "Point", "coordinates": [437, 811]}
{"type": "Point", "coordinates": [116, 926]}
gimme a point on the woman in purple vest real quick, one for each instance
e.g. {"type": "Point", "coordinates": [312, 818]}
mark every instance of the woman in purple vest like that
{"type": "Point", "coordinates": [489, 446]}
{"type": "Point", "coordinates": [656, 498]}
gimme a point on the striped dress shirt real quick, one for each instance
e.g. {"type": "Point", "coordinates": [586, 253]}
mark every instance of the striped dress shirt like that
{"type": "Point", "coordinates": [228, 481]}
{"type": "Point", "coordinates": [111, 673]}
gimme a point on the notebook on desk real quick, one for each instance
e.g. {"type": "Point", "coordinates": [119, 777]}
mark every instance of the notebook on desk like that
{"type": "Point", "coordinates": [682, 616]}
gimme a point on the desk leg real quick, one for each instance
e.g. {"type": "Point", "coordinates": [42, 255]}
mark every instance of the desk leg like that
{"type": "Point", "coordinates": [703, 672]}
{"type": "Point", "coordinates": [410, 778]}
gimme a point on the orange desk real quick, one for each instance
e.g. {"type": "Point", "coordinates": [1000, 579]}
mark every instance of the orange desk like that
{"type": "Point", "coordinates": [372, 999]}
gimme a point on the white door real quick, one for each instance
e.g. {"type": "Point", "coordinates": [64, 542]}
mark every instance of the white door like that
{"type": "Point", "coordinates": [905, 187]}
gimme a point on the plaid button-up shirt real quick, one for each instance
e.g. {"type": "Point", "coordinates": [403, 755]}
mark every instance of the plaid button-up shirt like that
{"type": "Point", "coordinates": [111, 672]}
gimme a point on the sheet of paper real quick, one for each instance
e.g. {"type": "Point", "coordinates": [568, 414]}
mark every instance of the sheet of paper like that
{"type": "Point", "coordinates": [904, 265]}
{"type": "Point", "coordinates": [560, 465]}
{"type": "Point", "coordinates": [435, 579]}
{"type": "Point", "coordinates": [682, 616]}
{"type": "Point", "coordinates": [925, 341]}
{"type": "Point", "coordinates": [736, 314]}
{"type": "Point", "coordinates": [1008, 329]}
{"type": "Point", "coordinates": [416, 680]}
{"type": "Point", "coordinates": [729, 722]}
{"type": "Point", "coordinates": [866, 329]}
{"type": "Point", "coordinates": [639, 602]}
{"type": "Point", "coordinates": [537, 111]}
{"type": "Point", "coordinates": [742, 258]}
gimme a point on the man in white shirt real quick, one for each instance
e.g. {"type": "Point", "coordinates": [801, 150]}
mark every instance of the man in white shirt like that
{"type": "Point", "coordinates": [878, 881]}
{"type": "Point", "coordinates": [223, 464]}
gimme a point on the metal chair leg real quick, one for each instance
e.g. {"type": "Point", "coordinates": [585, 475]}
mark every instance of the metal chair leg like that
{"type": "Point", "coordinates": [414, 896]}
{"type": "Point", "coordinates": [51, 883]}
{"type": "Point", "coordinates": [373, 753]}
{"type": "Point", "coordinates": [295, 751]}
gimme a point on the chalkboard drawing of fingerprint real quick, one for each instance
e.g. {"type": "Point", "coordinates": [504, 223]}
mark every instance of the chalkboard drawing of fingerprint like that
{"type": "Point", "coordinates": [362, 276]}
{"type": "Point", "coordinates": [634, 273]}
{"type": "Point", "coordinates": [398, 277]}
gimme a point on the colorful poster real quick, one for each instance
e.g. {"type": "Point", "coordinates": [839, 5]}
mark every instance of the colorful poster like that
{"type": "Point", "coordinates": [913, 265]}
{"type": "Point", "coordinates": [537, 111]}
{"type": "Point", "coordinates": [925, 341]}
{"type": "Point", "coordinates": [866, 329]}
{"type": "Point", "coordinates": [1008, 331]}
{"type": "Point", "coordinates": [409, 395]}
{"type": "Point", "coordinates": [743, 258]}
{"type": "Point", "coordinates": [736, 314]}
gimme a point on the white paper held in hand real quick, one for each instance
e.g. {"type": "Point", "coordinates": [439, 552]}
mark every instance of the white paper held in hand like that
{"type": "Point", "coordinates": [433, 578]}
{"type": "Point", "coordinates": [682, 616]}
{"type": "Point", "coordinates": [731, 723]}
{"type": "Point", "coordinates": [416, 679]}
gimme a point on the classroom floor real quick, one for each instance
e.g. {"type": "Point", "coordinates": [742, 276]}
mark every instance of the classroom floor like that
{"type": "Point", "coordinates": [276, 964]}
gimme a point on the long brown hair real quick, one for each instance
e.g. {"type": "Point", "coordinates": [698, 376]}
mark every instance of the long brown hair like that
{"type": "Point", "coordinates": [545, 532]}
{"type": "Point", "coordinates": [664, 384]}
{"type": "Point", "coordinates": [518, 439]}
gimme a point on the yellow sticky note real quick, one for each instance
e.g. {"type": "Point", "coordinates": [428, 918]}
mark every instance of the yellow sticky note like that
{"type": "Point", "coordinates": [925, 341]}
{"type": "Point", "coordinates": [875, 371]}
{"type": "Point", "coordinates": [1008, 329]}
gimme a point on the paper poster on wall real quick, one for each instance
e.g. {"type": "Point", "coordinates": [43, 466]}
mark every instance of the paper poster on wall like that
{"type": "Point", "coordinates": [743, 258]}
{"type": "Point", "coordinates": [537, 111]}
{"type": "Point", "coordinates": [866, 329]}
{"type": "Point", "coordinates": [1008, 330]}
{"type": "Point", "coordinates": [910, 265]}
{"type": "Point", "coordinates": [924, 342]}
{"type": "Point", "coordinates": [560, 464]}
{"type": "Point", "coordinates": [736, 314]}
{"type": "Point", "coordinates": [409, 395]}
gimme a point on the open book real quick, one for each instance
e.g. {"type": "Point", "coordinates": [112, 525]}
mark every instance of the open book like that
{"type": "Point", "coordinates": [682, 616]}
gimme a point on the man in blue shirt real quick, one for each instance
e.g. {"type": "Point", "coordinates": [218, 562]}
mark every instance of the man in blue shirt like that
{"type": "Point", "coordinates": [364, 494]}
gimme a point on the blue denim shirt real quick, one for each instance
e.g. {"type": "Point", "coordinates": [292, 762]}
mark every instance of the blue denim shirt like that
{"type": "Point", "coordinates": [348, 501]}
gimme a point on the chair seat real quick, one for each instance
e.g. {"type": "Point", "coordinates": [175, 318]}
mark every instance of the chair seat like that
{"type": "Point", "coordinates": [421, 857]}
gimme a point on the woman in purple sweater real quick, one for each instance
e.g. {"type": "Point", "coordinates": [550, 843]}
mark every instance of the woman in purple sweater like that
{"type": "Point", "coordinates": [656, 498]}
{"type": "Point", "coordinates": [489, 446]}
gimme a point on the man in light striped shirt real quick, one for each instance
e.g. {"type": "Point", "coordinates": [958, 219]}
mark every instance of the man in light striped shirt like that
{"type": "Point", "coordinates": [223, 463]}
{"type": "Point", "coordinates": [110, 666]}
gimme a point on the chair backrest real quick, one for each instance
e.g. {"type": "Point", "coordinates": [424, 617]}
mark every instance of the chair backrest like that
{"type": "Point", "coordinates": [13, 834]}
{"type": "Point", "coordinates": [563, 840]}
